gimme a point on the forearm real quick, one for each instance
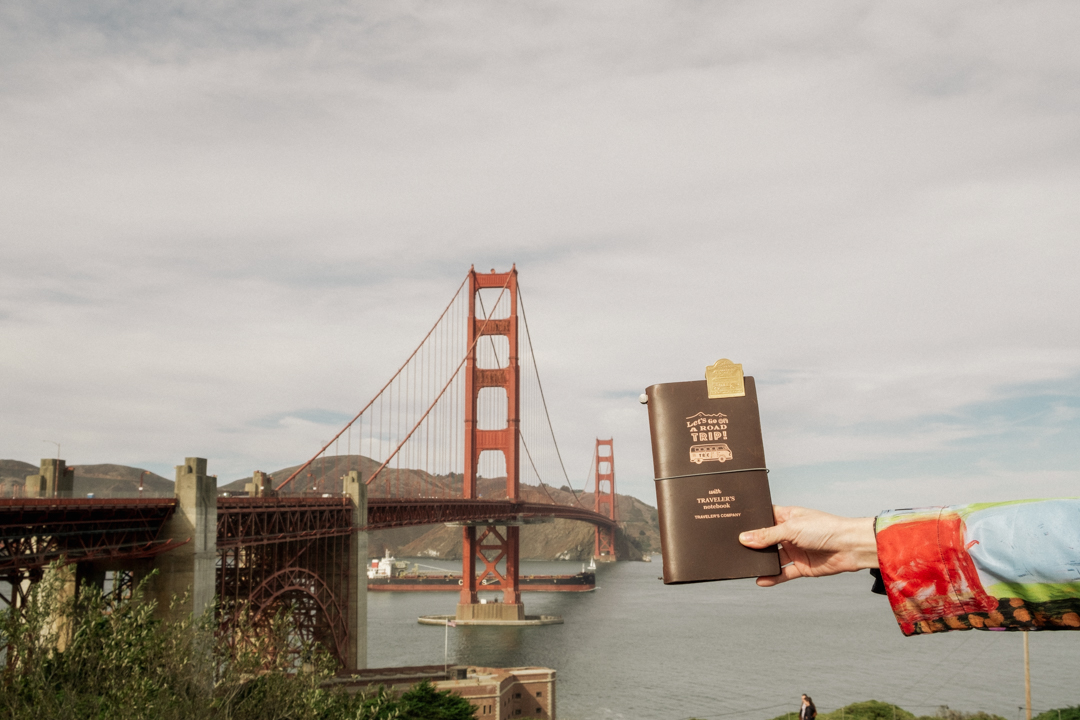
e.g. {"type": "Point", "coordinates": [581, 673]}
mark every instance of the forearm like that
{"type": "Point", "coordinates": [1003, 566]}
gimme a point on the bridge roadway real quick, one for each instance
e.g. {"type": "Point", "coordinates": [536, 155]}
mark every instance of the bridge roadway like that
{"type": "Point", "coordinates": [37, 531]}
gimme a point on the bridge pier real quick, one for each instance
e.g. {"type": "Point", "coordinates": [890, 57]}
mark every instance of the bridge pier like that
{"type": "Point", "coordinates": [491, 547]}
{"type": "Point", "coordinates": [261, 485]}
{"type": "Point", "coordinates": [67, 583]}
{"type": "Point", "coordinates": [188, 573]}
{"type": "Point", "coordinates": [357, 574]}
{"type": "Point", "coordinates": [54, 480]}
{"type": "Point", "coordinates": [66, 579]}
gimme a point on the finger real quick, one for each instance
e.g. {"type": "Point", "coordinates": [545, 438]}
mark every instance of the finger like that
{"type": "Point", "coordinates": [763, 537]}
{"type": "Point", "coordinates": [785, 556]}
{"type": "Point", "coordinates": [788, 572]}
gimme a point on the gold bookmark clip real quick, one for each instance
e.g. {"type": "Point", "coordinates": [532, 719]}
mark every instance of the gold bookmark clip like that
{"type": "Point", "coordinates": [725, 379]}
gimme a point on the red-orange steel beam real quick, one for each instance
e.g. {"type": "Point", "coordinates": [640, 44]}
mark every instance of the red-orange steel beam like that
{"type": "Point", "coordinates": [37, 531]}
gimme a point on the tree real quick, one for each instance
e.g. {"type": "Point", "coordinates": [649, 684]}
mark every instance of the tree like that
{"type": "Point", "coordinates": [424, 702]}
{"type": "Point", "coordinates": [111, 658]}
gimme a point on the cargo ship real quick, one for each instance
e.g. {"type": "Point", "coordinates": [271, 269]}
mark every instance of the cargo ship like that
{"type": "Point", "coordinates": [390, 574]}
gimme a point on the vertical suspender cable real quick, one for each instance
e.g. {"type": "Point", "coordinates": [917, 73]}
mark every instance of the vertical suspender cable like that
{"type": "Point", "coordinates": [303, 467]}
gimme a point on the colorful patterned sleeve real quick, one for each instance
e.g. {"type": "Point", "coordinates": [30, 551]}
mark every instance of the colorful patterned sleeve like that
{"type": "Point", "coordinates": [991, 566]}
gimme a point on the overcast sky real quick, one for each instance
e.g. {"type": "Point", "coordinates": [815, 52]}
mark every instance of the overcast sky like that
{"type": "Point", "coordinates": [218, 222]}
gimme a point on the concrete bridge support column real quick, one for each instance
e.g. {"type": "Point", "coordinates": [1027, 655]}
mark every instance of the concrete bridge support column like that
{"type": "Point", "coordinates": [357, 570]}
{"type": "Point", "coordinates": [64, 594]}
{"type": "Point", "coordinates": [189, 572]}
{"type": "Point", "coordinates": [54, 480]}
{"type": "Point", "coordinates": [261, 485]}
{"type": "Point", "coordinates": [70, 581]}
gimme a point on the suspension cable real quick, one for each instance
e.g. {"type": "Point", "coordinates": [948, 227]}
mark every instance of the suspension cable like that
{"type": "Point", "coordinates": [378, 394]}
{"type": "Point", "coordinates": [543, 485]}
{"type": "Point", "coordinates": [589, 474]}
{"type": "Point", "coordinates": [536, 371]}
{"type": "Point", "coordinates": [441, 392]}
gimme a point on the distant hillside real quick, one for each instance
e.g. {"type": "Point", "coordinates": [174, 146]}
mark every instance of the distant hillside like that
{"type": "Point", "coordinates": [639, 532]}
{"type": "Point", "coordinates": [119, 480]}
{"type": "Point", "coordinates": [325, 475]}
{"type": "Point", "coordinates": [16, 470]}
{"type": "Point", "coordinates": [102, 480]}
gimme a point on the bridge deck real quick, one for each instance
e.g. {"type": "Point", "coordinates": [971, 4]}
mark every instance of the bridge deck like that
{"type": "Point", "coordinates": [37, 531]}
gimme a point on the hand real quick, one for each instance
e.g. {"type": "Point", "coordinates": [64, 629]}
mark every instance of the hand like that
{"type": "Point", "coordinates": [815, 544]}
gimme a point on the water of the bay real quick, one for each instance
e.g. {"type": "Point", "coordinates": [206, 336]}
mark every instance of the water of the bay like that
{"type": "Point", "coordinates": [636, 648]}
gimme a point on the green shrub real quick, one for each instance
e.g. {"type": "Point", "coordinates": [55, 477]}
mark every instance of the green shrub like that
{"type": "Point", "coordinates": [946, 713]}
{"type": "Point", "coordinates": [876, 710]}
{"type": "Point", "coordinates": [867, 710]}
{"type": "Point", "coordinates": [1065, 713]}
{"type": "Point", "coordinates": [119, 662]}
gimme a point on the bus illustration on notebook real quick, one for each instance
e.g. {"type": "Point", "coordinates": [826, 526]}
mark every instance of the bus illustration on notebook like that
{"type": "Point", "coordinates": [704, 453]}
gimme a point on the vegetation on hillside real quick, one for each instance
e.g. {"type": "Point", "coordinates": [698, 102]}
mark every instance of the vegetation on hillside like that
{"type": "Point", "coordinates": [120, 662]}
{"type": "Point", "coordinates": [876, 710]}
{"type": "Point", "coordinates": [1065, 713]}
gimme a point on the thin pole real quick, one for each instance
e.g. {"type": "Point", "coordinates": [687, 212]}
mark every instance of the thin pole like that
{"type": "Point", "coordinates": [1027, 677]}
{"type": "Point", "coordinates": [446, 645]}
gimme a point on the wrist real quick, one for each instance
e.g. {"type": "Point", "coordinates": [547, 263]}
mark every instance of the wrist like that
{"type": "Point", "coordinates": [862, 542]}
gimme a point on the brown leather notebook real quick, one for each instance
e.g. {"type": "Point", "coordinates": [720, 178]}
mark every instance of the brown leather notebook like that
{"type": "Point", "coordinates": [711, 482]}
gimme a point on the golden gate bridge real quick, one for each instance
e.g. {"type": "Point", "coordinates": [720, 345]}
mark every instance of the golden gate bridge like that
{"type": "Point", "coordinates": [460, 434]}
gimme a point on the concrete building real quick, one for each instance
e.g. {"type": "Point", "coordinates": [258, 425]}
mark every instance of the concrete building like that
{"type": "Point", "coordinates": [506, 693]}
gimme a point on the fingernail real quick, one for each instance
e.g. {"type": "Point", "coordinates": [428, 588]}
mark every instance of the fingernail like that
{"type": "Point", "coordinates": [746, 537]}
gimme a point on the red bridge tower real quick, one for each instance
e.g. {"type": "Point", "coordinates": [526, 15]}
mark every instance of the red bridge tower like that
{"type": "Point", "coordinates": [491, 546]}
{"type": "Point", "coordinates": [605, 498]}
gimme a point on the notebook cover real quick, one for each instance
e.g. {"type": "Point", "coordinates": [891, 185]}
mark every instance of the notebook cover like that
{"type": "Point", "coordinates": [697, 443]}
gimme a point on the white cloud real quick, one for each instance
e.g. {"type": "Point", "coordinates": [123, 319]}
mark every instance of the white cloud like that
{"type": "Point", "coordinates": [214, 216]}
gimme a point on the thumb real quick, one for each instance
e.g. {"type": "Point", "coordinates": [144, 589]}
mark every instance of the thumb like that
{"type": "Point", "coordinates": [762, 537]}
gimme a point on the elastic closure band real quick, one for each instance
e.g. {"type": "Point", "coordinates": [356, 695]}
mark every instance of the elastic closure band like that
{"type": "Point", "coordinates": [722, 472]}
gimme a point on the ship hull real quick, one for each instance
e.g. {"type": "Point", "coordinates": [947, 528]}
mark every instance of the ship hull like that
{"type": "Point", "coordinates": [582, 582]}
